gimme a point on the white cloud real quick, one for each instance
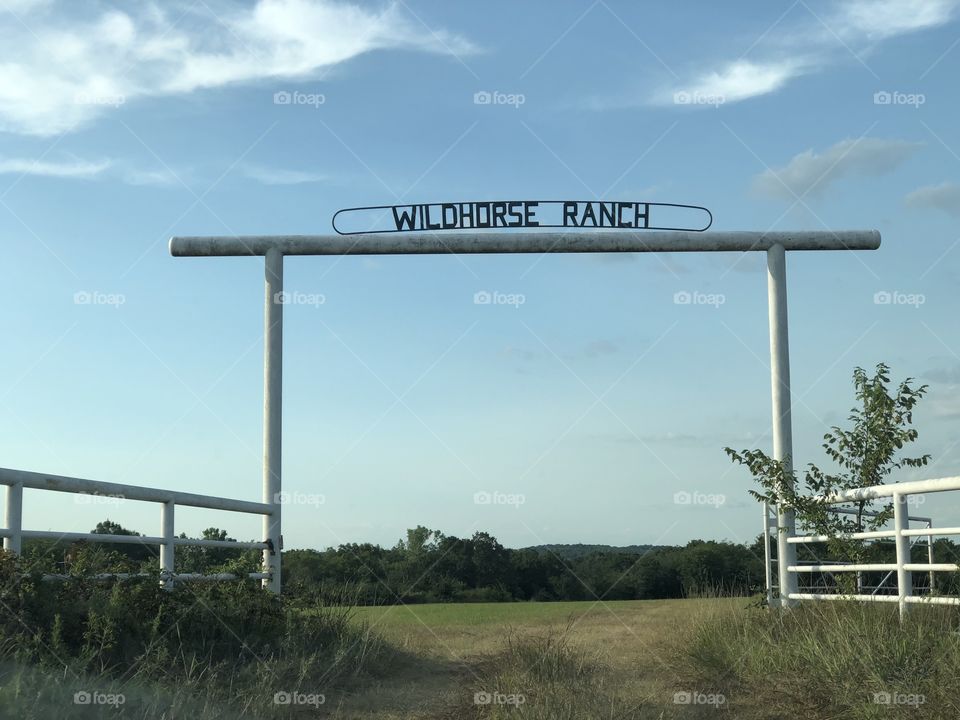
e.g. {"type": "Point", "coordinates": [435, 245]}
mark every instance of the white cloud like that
{"type": "Point", "coordinates": [811, 173]}
{"type": "Point", "coordinates": [880, 19]}
{"type": "Point", "coordinates": [737, 81]}
{"type": "Point", "coordinates": [70, 69]}
{"type": "Point", "coordinates": [810, 44]}
{"type": "Point", "coordinates": [73, 168]}
{"type": "Point", "coordinates": [280, 176]}
{"type": "Point", "coordinates": [46, 168]}
{"type": "Point", "coordinates": [945, 197]}
{"type": "Point", "coordinates": [129, 174]}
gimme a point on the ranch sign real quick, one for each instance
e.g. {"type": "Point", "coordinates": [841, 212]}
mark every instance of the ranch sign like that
{"type": "Point", "coordinates": [491, 227]}
{"type": "Point", "coordinates": [505, 214]}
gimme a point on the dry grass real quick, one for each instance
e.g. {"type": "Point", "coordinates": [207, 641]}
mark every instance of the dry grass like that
{"type": "Point", "coordinates": [613, 661]}
{"type": "Point", "coordinates": [632, 660]}
{"type": "Point", "coordinates": [567, 660]}
{"type": "Point", "coordinates": [830, 660]}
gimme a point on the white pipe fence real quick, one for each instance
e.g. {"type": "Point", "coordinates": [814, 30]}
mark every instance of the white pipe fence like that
{"type": "Point", "coordinates": [273, 249]}
{"type": "Point", "coordinates": [901, 533]}
{"type": "Point", "coordinates": [14, 534]}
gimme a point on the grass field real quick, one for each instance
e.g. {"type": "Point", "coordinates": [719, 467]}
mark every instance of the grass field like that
{"type": "Point", "coordinates": [671, 659]}
{"type": "Point", "coordinates": [619, 660]}
{"type": "Point", "coordinates": [534, 660]}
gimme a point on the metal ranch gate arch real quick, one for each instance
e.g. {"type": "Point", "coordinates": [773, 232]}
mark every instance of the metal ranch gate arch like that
{"type": "Point", "coordinates": [274, 248]}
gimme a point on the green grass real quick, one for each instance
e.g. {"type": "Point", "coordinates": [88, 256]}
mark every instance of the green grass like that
{"type": "Point", "coordinates": [628, 659]}
{"type": "Point", "coordinates": [826, 660]}
{"type": "Point", "coordinates": [466, 614]}
{"type": "Point", "coordinates": [537, 661]}
{"type": "Point", "coordinates": [549, 677]}
{"type": "Point", "coordinates": [229, 649]}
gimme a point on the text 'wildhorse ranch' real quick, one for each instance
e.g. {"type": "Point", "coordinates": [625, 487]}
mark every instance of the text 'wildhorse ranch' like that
{"type": "Point", "coordinates": [512, 214]}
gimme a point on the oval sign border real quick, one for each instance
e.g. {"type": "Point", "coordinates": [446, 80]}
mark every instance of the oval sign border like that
{"type": "Point", "coordinates": [333, 221]}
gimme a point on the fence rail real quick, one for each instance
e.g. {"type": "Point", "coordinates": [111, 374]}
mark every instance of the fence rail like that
{"type": "Point", "coordinates": [14, 534]}
{"type": "Point", "coordinates": [901, 533]}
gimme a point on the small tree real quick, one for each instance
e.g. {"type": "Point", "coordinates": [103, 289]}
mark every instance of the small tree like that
{"type": "Point", "coordinates": [865, 455]}
{"type": "Point", "coordinates": [134, 552]}
{"type": "Point", "coordinates": [198, 559]}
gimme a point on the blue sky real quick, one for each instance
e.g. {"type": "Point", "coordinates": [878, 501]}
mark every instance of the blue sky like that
{"type": "Point", "coordinates": [594, 401]}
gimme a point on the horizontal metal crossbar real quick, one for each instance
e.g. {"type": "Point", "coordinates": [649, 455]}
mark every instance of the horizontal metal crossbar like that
{"type": "Point", "coordinates": [106, 577]}
{"type": "Point", "coordinates": [839, 567]}
{"type": "Point", "coordinates": [911, 599]}
{"type": "Point", "coordinates": [134, 539]}
{"type": "Point", "coordinates": [931, 531]}
{"type": "Point", "coordinates": [61, 483]}
{"type": "Point", "coordinates": [871, 535]}
{"type": "Point", "coordinates": [870, 567]}
{"type": "Point", "coordinates": [916, 487]}
{"type": "Point", "coordinates": [931, 567]}
{"type": "Point", "coordinates": [420, 243]}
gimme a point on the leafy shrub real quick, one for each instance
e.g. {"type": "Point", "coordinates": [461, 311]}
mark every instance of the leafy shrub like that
{"type": "Point", "coordinates": [229, 646]}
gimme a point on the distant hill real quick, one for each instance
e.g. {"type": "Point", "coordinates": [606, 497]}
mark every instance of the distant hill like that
{"type": "Point", "coordinates": [579, 550]}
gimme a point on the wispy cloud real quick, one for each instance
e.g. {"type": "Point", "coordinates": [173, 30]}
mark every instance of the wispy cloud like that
{"type": "Point", "coordinates": [945, 197]}
{"type": "Point", "coordinates": [734, 82]}
{"type": "Point", "coordinates": [72, 168]}
{"type": "Point", "coordinates": [81, 169]}
{"type": "Point", "coordinates": [73, 65]}
{"type": "Point", "coordinates": [811, 173]}
{"type": "Point", "coordinates": [280, 176]}
{"type": "Point", "coordinates": [881, 19]}
{"type": "Point", "coordinates": [805, 43]}
{"type": "Point", "coordinates": [949, 374]}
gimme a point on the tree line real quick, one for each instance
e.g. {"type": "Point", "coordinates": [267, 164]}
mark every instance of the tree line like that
{"type": "Point", "coordinates": [430, 566]}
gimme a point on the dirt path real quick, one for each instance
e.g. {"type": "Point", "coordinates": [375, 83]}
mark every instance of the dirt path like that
{"type": "Point", "coordinates": [448, 653]}
{"type": "Point", "coordinates": [423, 689]}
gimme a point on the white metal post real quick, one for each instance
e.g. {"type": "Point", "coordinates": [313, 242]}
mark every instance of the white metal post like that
{"type": "Point", "coordinates": [167, 548]}
{"type": "Point", "coordinates": [14, 518]}
{"type": "Point", "coordinates": [272, 409]}
{"type": "Point", "coordinates": [782, 427]}
{"type": "Point", "coordinates": [901, 522]}
{"type": "Point", "coordinates": [273, 248]}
